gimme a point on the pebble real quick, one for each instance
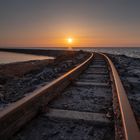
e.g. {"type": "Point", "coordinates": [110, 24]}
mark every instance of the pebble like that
{"type": "Point", "coordinates": [3, 80]}
{"type": "Point", "coordinates": [1, 86]}
{"type": "Point", "coordinates": [1, 96]}
{"type": "Point", "coordinates": [108, 115]}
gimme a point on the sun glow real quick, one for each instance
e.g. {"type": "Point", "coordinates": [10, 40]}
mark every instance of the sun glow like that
{"type": "Point", "coordinates": [69, 40]}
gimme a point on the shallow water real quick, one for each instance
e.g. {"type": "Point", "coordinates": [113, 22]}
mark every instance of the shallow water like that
{"type": "Point", "coordinates": [9, 57]}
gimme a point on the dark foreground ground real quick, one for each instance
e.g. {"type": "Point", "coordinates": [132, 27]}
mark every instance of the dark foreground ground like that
{"type": "Point", "coordinates": [19, 79]}
{"type": "Point", "coordinates": [44, 128]}
{"type": "Point", "coordinates": [76, 98]}
{"type": "Point", "coordinates": [41, 126]}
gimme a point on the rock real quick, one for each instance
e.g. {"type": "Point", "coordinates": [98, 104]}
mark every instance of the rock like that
{"type": "Point", "coordinates": [3, 80]}
{"type": "Point", "coordinates": [72, 126]}
{"type": "Point", "coordinates": [91, 131]}
{"type": "Point", "coordinates": [54, 133]}
{"type": "Point", "coordinates": [108, 115]}
{"type": "Point", "coordinates": [1, 86]}
{"type": "Point", "coordinates": [133, 80]}
{"type": "Point", "coordinates": [1, 96]}
{"type": "Point", "coordinates": [69, 130]}
{"type": "Point", "coordinates": [35, 81]}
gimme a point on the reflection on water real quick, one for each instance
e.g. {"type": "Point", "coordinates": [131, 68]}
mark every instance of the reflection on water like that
{"type": "Point", "coordinates": [8, 57]}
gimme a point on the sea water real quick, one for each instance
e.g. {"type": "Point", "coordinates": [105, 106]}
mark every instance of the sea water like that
{"type": "Point", "coordinates": [128, 51]}
{"type": "Point", "coordinates": [10, 57]}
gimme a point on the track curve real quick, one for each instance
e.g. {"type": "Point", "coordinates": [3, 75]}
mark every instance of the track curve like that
{"type": "Point", "coordinates": [84, 109]}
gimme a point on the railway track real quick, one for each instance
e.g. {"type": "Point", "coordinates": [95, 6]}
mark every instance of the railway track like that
{"type": "Point", "coordinates": [79, 105]}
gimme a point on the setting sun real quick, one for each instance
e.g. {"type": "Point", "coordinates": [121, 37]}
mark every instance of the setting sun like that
{"type": "Point", "coordinates": [70, 40]}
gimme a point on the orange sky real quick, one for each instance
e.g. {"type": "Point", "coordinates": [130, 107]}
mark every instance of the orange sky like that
{"type": "Point", "coordinates": [77, 42]}
{"type": "Point", "coordinates": [89, 23]}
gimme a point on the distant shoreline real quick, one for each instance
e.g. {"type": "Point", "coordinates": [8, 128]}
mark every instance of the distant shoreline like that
{"type": "Point", "coordinates": [52, 53]}
{"type": "Point", "coordinates": [66, 48]}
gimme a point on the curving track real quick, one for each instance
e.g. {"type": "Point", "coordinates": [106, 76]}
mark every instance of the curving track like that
{"type": "Point", "coordinates": [84, 107]}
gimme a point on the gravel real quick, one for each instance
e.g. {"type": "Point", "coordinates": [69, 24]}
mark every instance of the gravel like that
{"type": "Point", "coordinates": [44, 128]}
{"type": "Point", "coordinates": [15, 88]}
{"type": "Point", "coordinates": [129, 71]}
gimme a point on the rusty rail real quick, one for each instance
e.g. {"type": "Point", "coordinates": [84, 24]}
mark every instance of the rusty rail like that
{"type": "Point", "coordinates": [130, 126]}
{"type": "Point", "coordinates": [13, 117]}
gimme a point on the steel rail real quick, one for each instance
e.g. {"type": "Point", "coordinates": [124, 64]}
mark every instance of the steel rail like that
{"type": "Point", "coordinates": [13, 117]}
{"type": "Point", "coordinates": [130, 126]}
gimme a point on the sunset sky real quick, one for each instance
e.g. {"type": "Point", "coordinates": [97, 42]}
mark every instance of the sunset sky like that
{"type": "Point", "coordinates": [48, 23]}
